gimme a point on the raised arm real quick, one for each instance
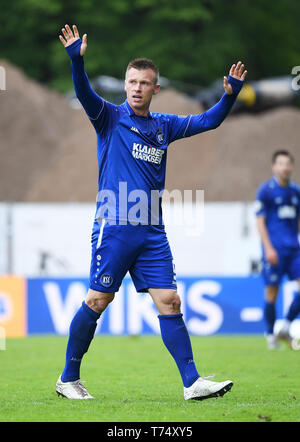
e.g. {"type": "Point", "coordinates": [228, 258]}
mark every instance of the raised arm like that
{"type": "Point", "coordinates": [236, 71]}
{"type": "Point", "coordinates": [186, 126]}
{"type": "Point", "coordinates": [90, 100]}
{"type": "Point", "coordinates": [214, 116]}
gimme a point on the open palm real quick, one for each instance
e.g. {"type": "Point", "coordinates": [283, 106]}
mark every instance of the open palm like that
{"type": "Point", "coordinates": [70, 36]}
{"type": "Point", "coordinates": [236, 71]}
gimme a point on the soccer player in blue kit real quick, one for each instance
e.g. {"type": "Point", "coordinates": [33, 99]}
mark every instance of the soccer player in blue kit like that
{"type": "Point", "coordinates": [278, 212]}
{"type": "Point", "coordinates": [129, 236]}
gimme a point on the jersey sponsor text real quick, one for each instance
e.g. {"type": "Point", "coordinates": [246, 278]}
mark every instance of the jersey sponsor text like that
{"type": "Point", "coordinates": [147, 153]}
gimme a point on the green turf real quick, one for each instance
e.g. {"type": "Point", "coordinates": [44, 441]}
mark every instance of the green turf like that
{"type": "Point", "coordinates": [134, 379]}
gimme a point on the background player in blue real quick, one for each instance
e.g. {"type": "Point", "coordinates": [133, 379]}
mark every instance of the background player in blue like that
{"type": "Point", "coordinates": [278, 212]}
{"type": "Point", "coordinates": [128, 232]}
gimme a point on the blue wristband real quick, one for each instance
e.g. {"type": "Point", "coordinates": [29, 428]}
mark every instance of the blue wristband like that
{"type": "Point", "coordinates": [74, 49]}
{"type": "Point", "coordinates": [235, 84]}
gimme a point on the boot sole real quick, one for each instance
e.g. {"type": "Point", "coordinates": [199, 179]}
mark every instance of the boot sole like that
{"type": "Point", "coordinates": [217, 394]}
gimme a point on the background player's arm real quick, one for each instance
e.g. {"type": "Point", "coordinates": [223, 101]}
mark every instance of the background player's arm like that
{"type": "Point", "coordinates": [270, 252]}
{"type": "Point", "coordinates": [91, 102]}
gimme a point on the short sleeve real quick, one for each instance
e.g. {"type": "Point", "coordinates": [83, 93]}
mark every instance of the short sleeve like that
{"type": "Point", "coordinates": [261, 202]}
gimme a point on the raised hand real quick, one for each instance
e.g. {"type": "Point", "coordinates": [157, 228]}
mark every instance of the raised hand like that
{"type": "Point", "coordinates": [236, 71]}
{"type": "Point", "coordinates": [70, 36]}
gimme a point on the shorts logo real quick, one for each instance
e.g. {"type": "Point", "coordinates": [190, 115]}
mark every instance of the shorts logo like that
{"type": "Point", "coordinates": [106, 280]}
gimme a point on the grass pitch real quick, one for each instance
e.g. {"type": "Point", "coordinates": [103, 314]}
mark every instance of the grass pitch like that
{"type": "Point", "coordinates": [134, 379]}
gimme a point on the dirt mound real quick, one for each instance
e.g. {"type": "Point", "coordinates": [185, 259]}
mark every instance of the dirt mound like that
{"type": "Point", "coordinates": [171, 101]}
{"type": "Point", "coordinates": [34, 121]}
{"type": "Point", "coordinates": [231, 161]}
{"type": "Point", "coordinates": [48, 150]}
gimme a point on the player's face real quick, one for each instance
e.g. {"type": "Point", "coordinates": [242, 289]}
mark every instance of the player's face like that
{"type": "Point", "coordinates": [282, 168]}
{"type": "Point", "coordinates": [140, 87]}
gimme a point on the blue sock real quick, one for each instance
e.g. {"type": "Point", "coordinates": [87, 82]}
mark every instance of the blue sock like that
{"type": "Point", "coordinates": [294, 309]}
{"type": "Point", "coordinates": [270, 316]}
{"type": "Point", "coordinates": [81, 333]}
{"type": "Point", "coordinates": [176, 338]}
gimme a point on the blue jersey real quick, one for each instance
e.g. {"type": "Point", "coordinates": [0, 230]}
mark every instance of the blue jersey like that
{"type": "Point", "coordinates": [281, 208]}
{"type": "Point", "coordinates": [132, 150]}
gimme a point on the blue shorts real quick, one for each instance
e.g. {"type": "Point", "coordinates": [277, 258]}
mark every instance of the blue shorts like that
{"type": "Point", "coordinates": [141, 250]}
{"type": "Point", "coordinates": [289, 264]}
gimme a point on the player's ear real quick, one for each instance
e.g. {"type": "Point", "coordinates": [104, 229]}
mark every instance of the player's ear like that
{"type": "Point", "coordinates": [273, 168]}
{"type": "Point", "coordinates": [156, 89]}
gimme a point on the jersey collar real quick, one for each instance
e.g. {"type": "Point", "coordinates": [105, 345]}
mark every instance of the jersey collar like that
{"type": "Point", "coordinates": [132, 113]}
{"type": "Point", "coordinates": [278, 185]}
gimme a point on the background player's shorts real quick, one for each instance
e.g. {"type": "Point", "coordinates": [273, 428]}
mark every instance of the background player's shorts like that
{"type": "Point", "coordinates": [289, 264]}
{"type": "Point", "coordinates": [141, 250]}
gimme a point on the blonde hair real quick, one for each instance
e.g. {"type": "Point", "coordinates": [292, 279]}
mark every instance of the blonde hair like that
{"type": "Point", "coordinates": [144, 63]}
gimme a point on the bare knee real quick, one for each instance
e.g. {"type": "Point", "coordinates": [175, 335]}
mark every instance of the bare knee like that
{"type": "Point", "coordinates": [167, 301]}
{"type": "Point", "coordinates": [98, 301]}
{"type": "Point", "coordinates": [176, 303]}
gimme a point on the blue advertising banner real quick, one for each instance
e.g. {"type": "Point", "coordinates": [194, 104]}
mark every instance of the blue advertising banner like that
{"type": "Point", "coordinates": [210, 305]}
